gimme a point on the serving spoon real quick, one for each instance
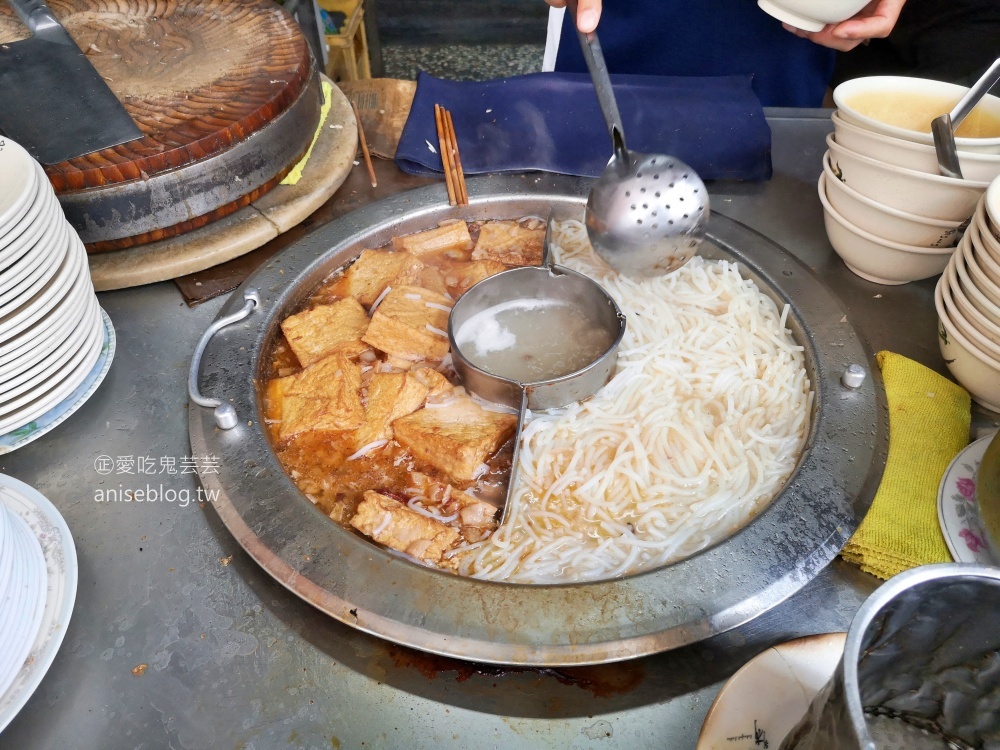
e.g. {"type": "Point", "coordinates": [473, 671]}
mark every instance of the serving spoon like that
{"type": "Point", "coordinates": [943, 128]}
{"type": "Point", "coordinates": [647, 213]}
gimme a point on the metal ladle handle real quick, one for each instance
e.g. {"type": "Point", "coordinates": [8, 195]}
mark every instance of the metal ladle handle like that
{"type": "Point", "coordinates": [944, 127]}
{"type": "Point", "coordinates": [594, 57]}
{"type": "Point", "coordinates": [225, 415]}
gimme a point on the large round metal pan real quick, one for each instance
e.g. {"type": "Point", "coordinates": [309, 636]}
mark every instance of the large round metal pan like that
{"type": "Point", "coordinates": [373, 590]}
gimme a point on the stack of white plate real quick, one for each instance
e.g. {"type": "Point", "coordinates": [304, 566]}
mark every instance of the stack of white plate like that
{"type": "Point", "coordinates": [38, 577]}
{"type": "Point", "coordinates": [51, 327]}
{"type": "Point", "coordinates": [23, 587]}
{"type": "Point", "coordinates": [968, 305]}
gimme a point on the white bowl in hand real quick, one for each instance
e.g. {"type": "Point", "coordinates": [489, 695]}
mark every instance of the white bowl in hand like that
{"type": "Point", "coordinates": [884, 221]}
{"type": "Point", "coordinates": [904, 107]}
{"type": "Point", "coordinates": [811, 15]}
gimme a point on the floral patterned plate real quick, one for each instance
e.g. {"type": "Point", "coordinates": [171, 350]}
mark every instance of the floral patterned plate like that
{"type": "Point", "coordinates": [49, 527]}
{"type": "Point", "coordinates": [957, 511]}
{"type": "Point", "coordinates": [62, 411]}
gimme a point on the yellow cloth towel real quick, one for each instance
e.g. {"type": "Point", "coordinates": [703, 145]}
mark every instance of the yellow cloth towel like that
{"type": "Point", "coordinates": [928, 425]}
{"type": "Point", "coordinates": [293, 177]}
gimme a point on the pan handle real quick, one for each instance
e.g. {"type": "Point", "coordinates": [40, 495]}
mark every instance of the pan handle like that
{"type": "Point", "coordinates": [225, 414]}
{"type": "Point", "coordinates": [35, 14]}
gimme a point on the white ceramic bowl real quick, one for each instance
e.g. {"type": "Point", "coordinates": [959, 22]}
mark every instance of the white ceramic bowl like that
{"type": "Point", "coordinates": [811, 15]}
{"type": "Point", "coordinates": [985, 240]}
{"type": "Point", "coordinates": [980, 280]}
{"type": "Point", "coordinates": [974, 371]}
{"type": "Point", "coordinates": [962, 280]}
{"type": "Point", "coordinates": [876, 259]}
{"type": "Point", "coordinates": [883, 221]}
{"type": "Point", "coordinates": [993, 207]}
{"type": "Point", "coordinates": [893, 91]}
{"type": "Point", "coordinates": [967, 309]}
{"type": "Point", "coordinates": [983, 341]}
{"type": "Point", "coordinates": [988, 266]}
{"type": "Point", "coordinates": [933, 196]}
{"type": "Point", "coordinates": [919, 156]}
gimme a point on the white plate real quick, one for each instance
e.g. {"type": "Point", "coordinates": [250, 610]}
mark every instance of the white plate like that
{"type": "Point", "coordinates": [59, 377]}
{"type": "Point", "coordinates": [56, 542]}
{"type": "Point", "coordinates": [42, 370]}
{"type": "Point", "coordinates": [75, 373]}
{"type": "Point", "coordinates": [52, 246]}
{"type": "Point", "coordinates": [48, 297]}
{"type": "Point", "coordinates": [957, 511]}
{"type": "Point", "coordinates": [22, 269]}
{"type": "Point", "coordinates": [26, 230]}
{"type": "Point", "coordinates": [72, 306]}
{"type": "Point", "coordinates": [32, 605]}
{"type": "Point", "coordinates": [46, 348]}
{"type": "Point", "coordinates": [760, 704]}
{"type": "Point", "coordinates": [19, 184]}
{"type": "Point", "coordinates": [59, 413]}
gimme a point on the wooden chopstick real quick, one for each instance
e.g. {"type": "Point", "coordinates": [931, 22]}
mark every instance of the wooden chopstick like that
{"type": "Point", "coordinates": [462, 192]}
{"type": "Point", "coordinates": [364, 146]}
{"type": "Point", "coordinates": [443, 145]}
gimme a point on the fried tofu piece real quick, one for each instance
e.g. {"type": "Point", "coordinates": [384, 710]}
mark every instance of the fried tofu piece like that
{"type": "Point", "coordinates": [455, 439]}
{"type": "Point", "coordinates": [410, 323]}
{"type": "Point", "coordinates": [390, 522]}
{"type": "Point", "coordinates": [447, 500]}
{"type": "Point", "coordinates": [431, 278]}
{"type": "Point", "coordinates": [391, 395]}
{"type": "Point", "coordinates": [510, 243]}
{"type": "Point", "coordinates": [317, 333]}
{"type": "Point", "coordinates": [461, 276]}
{"type": "Point", "coordinates": [324, 396]}
{"type": "Point", "coordinates": [452, 237]}
{"type": "Point", "coordinates": [437, 384]}
{"type": "Point", "coordinates": [373, 271]}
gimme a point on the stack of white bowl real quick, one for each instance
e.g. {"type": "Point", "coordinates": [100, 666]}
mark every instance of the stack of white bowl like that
{"type": "Point", "coordinates": [968, 305]}
{"type": "Point", "coordinates": [51, 327]}
{"type": "Point", "coordinates": [889, 213]}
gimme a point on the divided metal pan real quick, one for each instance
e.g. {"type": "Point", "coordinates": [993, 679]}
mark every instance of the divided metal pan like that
{"type": "Point", "coordinates": [368, 588]}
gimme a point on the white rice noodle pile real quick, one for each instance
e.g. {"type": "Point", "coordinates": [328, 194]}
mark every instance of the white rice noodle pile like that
{"type": "Point", "coordinates": [701, 426]}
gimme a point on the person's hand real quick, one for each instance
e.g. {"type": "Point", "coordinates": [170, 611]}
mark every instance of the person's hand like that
{"type": "Point", "coordinates": [874, 21]}
{"type": "Point", "coordinates": [588, 13]}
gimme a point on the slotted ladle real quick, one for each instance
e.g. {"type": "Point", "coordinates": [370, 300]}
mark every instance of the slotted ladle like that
{"type": "Point", "coordinates": [647, 213]}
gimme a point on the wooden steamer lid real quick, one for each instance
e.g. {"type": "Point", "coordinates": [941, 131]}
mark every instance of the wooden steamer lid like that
{"type": "Point", "coordinates": [225, 93]}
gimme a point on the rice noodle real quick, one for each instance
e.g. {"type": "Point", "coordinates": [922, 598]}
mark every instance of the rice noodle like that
{"type": "Point", "coordinates": [378, 301]}
{"type": "Point", "coordinates": [366, 449]}
{"type": "Point", "coordinates": [702, 424]}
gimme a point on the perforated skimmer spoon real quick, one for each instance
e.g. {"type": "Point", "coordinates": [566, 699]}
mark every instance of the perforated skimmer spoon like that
{"type": "Point", "coordinates": [647, 213]}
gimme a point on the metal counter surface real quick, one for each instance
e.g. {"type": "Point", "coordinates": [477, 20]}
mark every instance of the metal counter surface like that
{"type": "Point", "coordinates": [233, 660]}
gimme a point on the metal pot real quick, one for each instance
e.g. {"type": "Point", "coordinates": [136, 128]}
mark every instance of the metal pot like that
{"type": "Point", "coordinates": [362, 585]}
{"type": "Point", "coordinates": [921, 668]}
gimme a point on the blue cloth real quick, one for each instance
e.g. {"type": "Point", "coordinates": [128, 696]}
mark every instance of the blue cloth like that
{"type": "Point", "coordinates": [553, 123]}
{"type": "Point", "coordinates": [706, 38]}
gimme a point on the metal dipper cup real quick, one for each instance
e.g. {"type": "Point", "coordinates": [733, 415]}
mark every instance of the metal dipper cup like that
{"type": "Point", "coordinates": [534, 367]}
{"type": "Point", "coordinates": [647, 213]}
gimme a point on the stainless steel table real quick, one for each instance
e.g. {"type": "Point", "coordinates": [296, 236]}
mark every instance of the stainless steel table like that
{"type": "Point", "coordinates": [235, 661]}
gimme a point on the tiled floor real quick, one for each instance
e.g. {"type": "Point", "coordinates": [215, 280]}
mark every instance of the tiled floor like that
{"type": "Point", "coordinates": [476, 62]}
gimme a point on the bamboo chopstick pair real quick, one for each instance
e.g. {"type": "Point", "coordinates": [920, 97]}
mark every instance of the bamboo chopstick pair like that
{"type": "Point", "coordinates": [458, 195]}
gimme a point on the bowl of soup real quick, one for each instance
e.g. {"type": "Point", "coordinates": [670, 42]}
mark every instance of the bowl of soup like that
{"type": "Point", "coordinates": [905, 107]}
